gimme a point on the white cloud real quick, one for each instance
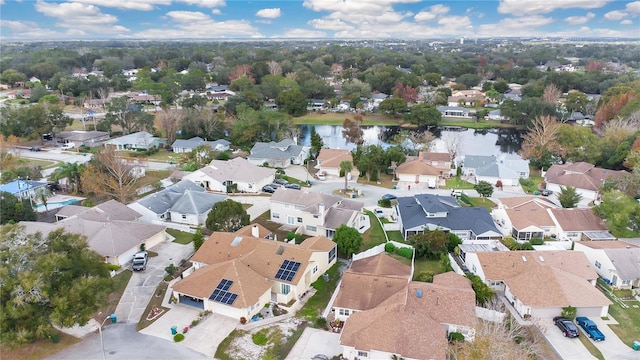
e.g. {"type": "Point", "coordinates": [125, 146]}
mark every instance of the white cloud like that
{"type": "Point", "coordinates": [424, 16]}
{"type": "Point", "coordinates": [303, 33]}
{"type": "Point", "coordinates": [29, 30]}
{"type": "Point", "coordinates": [188, 16]}
{"type": "Point", "coordinates": [273, 13]}
{"type": "Point", "coordinates": [216, 11]}
{"type": "Point", "coordinates": [633, 7]}
{"type": "Point", "coordinates": [330, 24]}
{"type": "Point", "coordinates": [626, 22]}
{"type": "Point", "coordinates": [144, 5]}
{"type": "Point", "coordinates": [195, 24]}
{"type": "Point", "coordinates": [459, 21]}
{"type": "Point", "coordinates": [615, 15]}
{"type": "Point", "coordinates": [81, 17]}
{"type": "Point", "coordinates": [1, 2]}
{"type": "Point", "coordinates": [578, 20]}
{"type": "Point", "coordinates": [439, 9]}
{"type": "Point", "coordinates": [536, 7]}
{"type": "Point", "coordinates": [434, 12]}
{"type": "Point", "coordinates": [204, 3]}
{"type": "Point", "coordinates": [522, 26]}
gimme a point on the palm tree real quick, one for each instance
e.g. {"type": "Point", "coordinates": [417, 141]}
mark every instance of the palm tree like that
{"type": "Point", "coordinates": [71, 171]}
{"type": "Point", "coordinates": [43, 194]}
{"type": "Point", "coordinates": [345, 167]}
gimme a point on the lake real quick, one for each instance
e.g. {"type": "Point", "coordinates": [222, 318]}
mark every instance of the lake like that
{"type": "Point", "coordinates": [498, 142]}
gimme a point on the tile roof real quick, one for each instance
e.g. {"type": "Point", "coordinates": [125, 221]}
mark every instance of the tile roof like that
{"type": "Point", "coordinates": [331, 158]}
{"type": "Point", "coordinates": [583, 219]}
{"type": "Point", "coordinates": [409, 325]}
{"type": "Point", "coordinates": [236, 170]}
{"type": "Point", "coordinates": [580, 175]}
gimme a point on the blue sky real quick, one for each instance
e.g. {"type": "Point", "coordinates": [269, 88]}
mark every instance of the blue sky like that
{"type": "Point", "coordinates": [340, 19]}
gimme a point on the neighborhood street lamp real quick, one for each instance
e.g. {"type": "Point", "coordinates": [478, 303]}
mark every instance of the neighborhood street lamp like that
{"type": "Point", "coordinates": [114, 319]}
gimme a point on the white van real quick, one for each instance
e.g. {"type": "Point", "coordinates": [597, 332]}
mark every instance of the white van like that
{"type": "Point", "coordinates": [321, 176]}
{"type": "Point", "coordinates": [456, 193]}
{"type": "Point", "coordinates": [68, 146]}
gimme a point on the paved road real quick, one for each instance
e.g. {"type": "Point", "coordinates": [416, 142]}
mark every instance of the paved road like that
{"type": "Point", "coordinates": [123, 342]}
{"type": "Point", "coordinates": [143, 283]}
{"type": "Point", "coordinates": [567, 348]}
{"type": "Point", "coordinates": [612, 348]}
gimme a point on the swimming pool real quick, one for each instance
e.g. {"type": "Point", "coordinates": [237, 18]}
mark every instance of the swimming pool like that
{"type": "Point", "coordinates": [55, 205]}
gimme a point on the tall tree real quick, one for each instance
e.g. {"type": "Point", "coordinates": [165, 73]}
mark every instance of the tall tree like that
{"type": "Point", "coordinates": [345, 167]}
{"type": "Point", "coordinates": [72, 172]}
{"type": "Point", "coordinates": [292, 102]}
{"type": "Point", "coordinates": [541, 138]}
{"type": "Point", "coordinates": [123, 112]}
{"type": "Point", "coordinates": [425, 115]}
{"type": "Point", "coordinates": [348, 240]}
{"type": "Point", "coordinates": [551, 94]}
{"type": "Point", "coordinates": [569, 196]}
{"type": "Point", "coordinates": [170, 120]}
{"type": "Point", "coordinates": [227, 216]}
{"type": "Point", "coordinates": [316, 142]}
{"type": "Point", "coordinates": [14, 210]}
{"type": "Point", "coordinates": [108, 174]}
{"type": "Point", "coordinates": [453, 144]}
{"type": "Point", "coordinates": [46, 281]}
{"type": "Point", "coordinates": [352, 130]}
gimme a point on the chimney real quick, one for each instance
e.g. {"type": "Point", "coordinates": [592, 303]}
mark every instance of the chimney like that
{"type": "Point", "coordinates": [255, 232]}
{"type": "Point", "coordinates": [321, 212]}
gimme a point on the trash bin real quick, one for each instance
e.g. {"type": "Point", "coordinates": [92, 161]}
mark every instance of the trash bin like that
{"type": "Point", "coordinates": [536, 192]}
{"type": "Point", "coordinates": [395, 187]}
{"type": "Point", "coordinates": [636, 345]}
{"type": "Point", "coordinates": [174, 330]}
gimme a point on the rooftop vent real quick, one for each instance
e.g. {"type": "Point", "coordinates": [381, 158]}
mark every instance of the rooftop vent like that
{"type": "Point", "coordinates": [280, 250]}
{"type": "Point", "coordinates": [419, 293]}
{"type": "Point", "coordinates": [524, 258]}
{"type": "Point", "coordinates": [541, 258]}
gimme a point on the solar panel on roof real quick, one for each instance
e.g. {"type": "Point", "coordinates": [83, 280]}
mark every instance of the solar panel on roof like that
{"type": "Point", "coordinates": [288, 270]}
{"type": "Point", "coordinates": [221, 293]}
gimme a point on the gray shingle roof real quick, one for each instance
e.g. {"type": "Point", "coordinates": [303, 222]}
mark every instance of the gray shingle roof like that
{"type": "Point", "coordinates": [194, 202]}
{"type": "Point", "coordinates": [413, 214]}
{"type": "Point", "coordinates": [236, 170]}
{"type": "Point", "coordinates": [194, 142]}
{"type": "Point", "coordinates": [164, 199]}
{"type": "Point", "coordinates": [626, 261]}
{"type": "Point", "coordinates": [284, 149]}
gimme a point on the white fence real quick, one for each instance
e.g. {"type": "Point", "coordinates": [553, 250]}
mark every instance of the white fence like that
{"type": "Point", "coordinates": [454, 265]}
{"type": "Point", "coordinates": [490, 315]}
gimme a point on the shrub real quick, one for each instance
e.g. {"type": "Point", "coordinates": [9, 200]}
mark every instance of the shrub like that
{"type": "Point", "coordinates": [243, 320]}
{"type": "Point", "coordinates": [320, 323]}
{"type": "Point", "coordinates": [260, 337]}
{"type": "Point", "coordinates": [178, 337]}
{"type": "Point", "coordinates": [425, 276]}
{"type": "Point", "coordinates": [170, 269]}
{"type": "Point", "coordinates": [291, 235]}
{"type": "Point", "coordinates": [537, 241]}
{"type": "Point", "coordinates": [385, 203]}
{"type": "Point", "coordinates": [194, 323]}
{"type": "Point", "coordinates": [389, 247]}
{"type": "Point", "coordinates": [526, 182]}
{"type": "Point", "coordinates": [465, 199]}
{"type": "Point", "coordinates": [569, 312]}
{"type": "Point", "coordinates": [456, 336]}
{"type": "Point", "coordinates": [113, 267]}
{"type": "Point", "coordinates": [404, 252]}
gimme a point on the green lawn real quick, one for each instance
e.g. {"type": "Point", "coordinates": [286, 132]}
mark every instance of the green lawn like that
{"type": "Point", "coordinates": [395, 236]}
{"type": "Point", "coordinates": [45, 164]}
{"type": "Point", "coordinates": [482, 202]}
{"type": "Point", "coordinates": [590, 346]}
{"type": "Point", "coordinates": [324, 289]}
{"type": "Point", "coordinates": [153, 177]}
{"type": "Point", "coordinates": [420, 264]}
{"type": "Point", "coordinates": [458, 183]}
{"type": "Point", "coordinates": [374, 236]}
{"type": "Point", "coordinates": [181, 236]}
{"type": "Point", "coordinates": [628, 329]}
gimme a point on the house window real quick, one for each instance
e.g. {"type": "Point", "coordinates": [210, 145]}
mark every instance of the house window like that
{"type": "Point", "coordinates": [332, 254]}
{"type": "Point", "coordinates": [312, 228]}
{"type": "Point", "coordinates": [344, 312]}
{"type": "Point", "coordinates": [473, 269]}
{"type": "Point", "coordinates": [284, 289]}
{"type": "Point", "coordinates": [315, 269]}
{"type": "Point", "coordinates": [626, 282]}
{"type": "Point", "coordinates": [316, 216]}
{"type": "Point", "coordinates": [363, 354]}
{"type": "Point", "coordinates": [598, 264]}
{"type": "Point", "coordinates": [275, 216]}
{"type": "Point", "coordinates": [184, 217]}
{"type": "Point", "coordinates": [299, 219]}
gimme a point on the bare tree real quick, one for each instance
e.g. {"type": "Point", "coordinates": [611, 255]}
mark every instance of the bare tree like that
{"type": "Point", "coordinates": [551, 94]}
{"type": "Point", "coordinates": [109, 174]}
{"type": "Point", "coordinates": [542, 137]}
{"type": "Point", "coordinates": [619, 129]}
{"type": "Point", "coordinates": [453, 144]}
{"type": "Point", "coordinates": [169, 122]}
{"type": "Point", "coordinates": [274, 68]}
{"type": "Point", "coordinates": [421, 140]}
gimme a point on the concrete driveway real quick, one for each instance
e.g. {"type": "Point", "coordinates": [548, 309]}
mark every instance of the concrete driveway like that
{"type": "Point", "coordinates": [612, 348]}
{"type": "Point", "coordinates": [567, 348]}
{"type": "Point", "coordinates": [313, 342]}
{"type": "Point", "coordinates": [143, 284]}
{"type": "Point", "coordinates": [203, 338]}
{"type": "Point", "coordinates": [259, 204]}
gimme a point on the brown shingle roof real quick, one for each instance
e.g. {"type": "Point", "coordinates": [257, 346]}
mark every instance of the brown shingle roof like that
{"type": "Point", "coordinates": [608, 244]}
{"type": "Point", "coordinates": [580, 175]}
{"type": "Point", "coordinates": [331, 158]}
{"type": "Point", "coordinates": [218, 248]}
{"type": "Point", "coordinates": [263, 232]}
{"type": "Point", "coordinates": [381, 264]}
{"type": "Point", "coordinates": [578, 219]}
{"type": "Point", "coordinates": [318, 243]}
{"type": "Point", "coordinates": [417, 167]}
{"type": "Point", "coordinates": [499, 265]}
{"type": "Point", "coordinates": [529, 214]}
{"type": "Point", "coordinates": [514, 202]}
{"type": "Point", "coordinates": [409, 325]}
{"type": "Point", "coordinates": [366, 291]}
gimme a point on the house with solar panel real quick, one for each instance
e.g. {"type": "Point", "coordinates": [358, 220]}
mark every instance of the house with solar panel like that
{"type": "Point", "coordinates": [313, 213]}
{"type": "Point", "coordinates": [236, 275]}
{"type": "Point", "coordinates": [425, 212]}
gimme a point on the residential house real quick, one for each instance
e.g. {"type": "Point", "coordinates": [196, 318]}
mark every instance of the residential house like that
{"type": "Point", "coordinates": [34, 80]}
{"type": "Point", "coordinates": [79, 137]}
{"type": "Point", "coordinates": [493, 169]}
{"type": "Point", "coordinates": [413, 323]}
{"type": "Point", "coordinates": [368, 282]}
{"type": "Point", "coordinates": [317, 105]}
{"type": "Point", "coordinates": [256, 231]}
{"type": "Point", "coordinates": [183, 202]}
{"type": "Point", "coordinates": [496, 115]}
{"type": "Point", "coordinates": [585, 177]}
{"type": "Point", "coordinates": [111, 230]}
{"type": "Point", "coordinates": [429, 168]}
{"type": "Point", "coordinates": [141, 140]}
{"type": "Point", "coordinates": [329, 160]}
{"type": "Point", "coordinates": [187, 145]}
{"type": "Point", "coordinates": [93, 103]}
{"type": "Point", "coordinates": [579, 224]}
{"type": "Point", "coordinates": [424, 212]}
{"type": "Point", "coordinates": [313, 213]}
{"type": "Point", "coordinates": [540, 284]}
{"type": "Point", "coordinates": [146, 99]}
{"type": "Point", "coordinates": [465, 98]}
{"type": "Point", "coordinates": [237, 174]}
{"type": "Point", "coordinates": [237, 275]}
{"type": "Point", "coordinates": [525, 218]}
{"type": "Point", "coordinates": [617, 262]}
{"type": "Point", "coordinates": [377, 98]}
{"type": "Point", "coordinates": [22, 189]}
{"type": "Point", "coordinates": [278, 154]}
{"type": "Point", "coordinates": [456, 111]}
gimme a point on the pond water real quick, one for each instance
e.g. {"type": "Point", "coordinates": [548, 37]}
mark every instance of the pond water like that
{"type": "Point", "coordinates": [499, 142]}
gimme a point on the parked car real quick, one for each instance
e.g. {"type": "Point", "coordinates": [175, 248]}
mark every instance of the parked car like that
{"type": "Point", "coordinates": [590, 328]}
{"type": "Point", "coordinates": [321, 176]}
{"type": "Point", "coordinates": [293, 186]}
{"type": "Point", "coordinates": [281, 181]}
{"type": "Point", "coordinates": [546, 192]}
{"type": "Point", "coordinates": [275, 185]}
{"type": "Point", "coordinates": [456, 193]}
{"type": "Point", "coordinates": [35, 148]}
{"type": "Point", "coordinates": [379, 213]}
{"type": "Point", "coordinates": [268, 189]}
{"type": "Point", "coordinates": [140, 260]}
{"type": "Point", "coordinates": [389, 197]}
{"type": "Point", "coordinates": [68, 146]}
{"type": "Point", "coordinates": [47, 137]}
{"type": "Point", "coordinates": [568, 328]}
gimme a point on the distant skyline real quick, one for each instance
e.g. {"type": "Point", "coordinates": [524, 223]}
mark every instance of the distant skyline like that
{"type": "Point", "coordinates": [315, 19]}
